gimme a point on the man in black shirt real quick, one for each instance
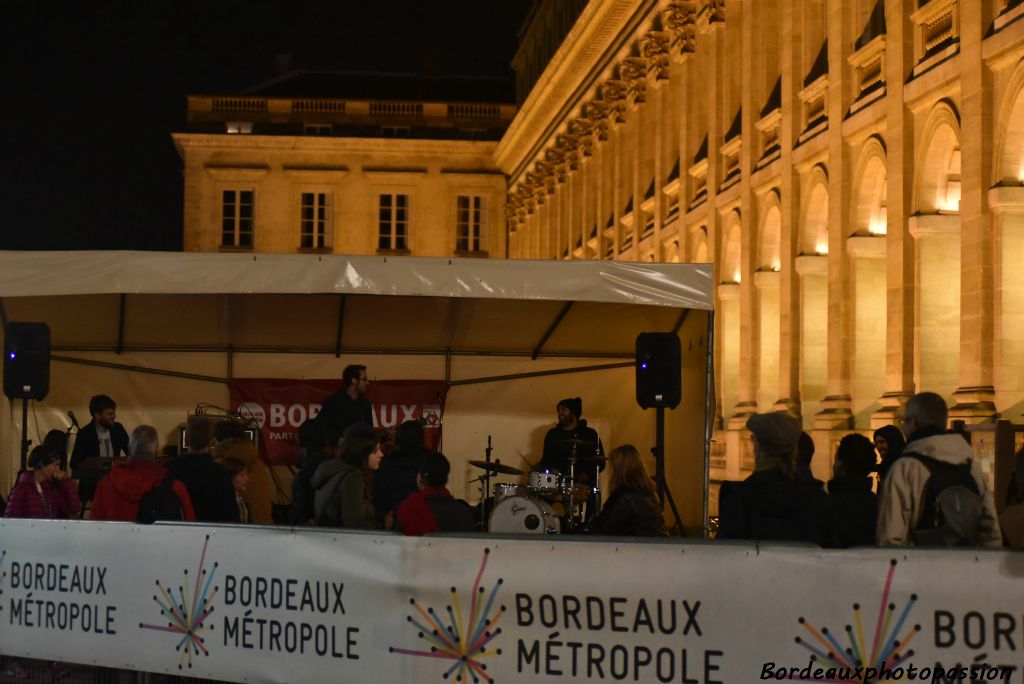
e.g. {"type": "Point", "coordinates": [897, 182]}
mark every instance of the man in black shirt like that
{"type": "Point", "coordinates": [349, 404]}
{"type": "Point", "coordinates": [572, 437]}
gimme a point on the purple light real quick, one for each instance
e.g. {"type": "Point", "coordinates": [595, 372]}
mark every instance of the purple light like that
{"type": "Point", "coordinates": [12, 355]}
{"type": "Point", "coordinates": [643, 365]}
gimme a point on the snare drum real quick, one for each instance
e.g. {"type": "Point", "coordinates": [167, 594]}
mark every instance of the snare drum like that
{"type": "Point", "coordinates": [522, 515]}
{"type": "Point", "coordinates": [544, 482]}
{"type": "Point", "coordinates": [503, 490]}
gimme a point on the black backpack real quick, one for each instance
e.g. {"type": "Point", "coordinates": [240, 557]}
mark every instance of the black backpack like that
{"type": "Point", "coordinates": [951, 515]}
{"type": "Point", "coordinates": [160, 503]}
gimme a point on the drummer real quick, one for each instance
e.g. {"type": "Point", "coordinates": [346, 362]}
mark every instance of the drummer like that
{"type": "Point", "coordinates": [571, 437]}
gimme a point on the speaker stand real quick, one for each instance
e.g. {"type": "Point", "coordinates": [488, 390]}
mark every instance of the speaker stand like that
{"type": "Point", "coordinates": [25, 441]}
{"type": "Point", "coordinates": [659, 461]}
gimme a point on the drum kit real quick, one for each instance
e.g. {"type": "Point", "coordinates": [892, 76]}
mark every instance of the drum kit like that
{"type": "Point", "coordinates": [548, 503]}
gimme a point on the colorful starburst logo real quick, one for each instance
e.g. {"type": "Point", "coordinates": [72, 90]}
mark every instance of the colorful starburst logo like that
{"type": "Point", "coordinates": [888, 648]}
{"type": "Point", "coordinates": [463, 638]}
{"type": "Point", "coordinates": [186, 613]}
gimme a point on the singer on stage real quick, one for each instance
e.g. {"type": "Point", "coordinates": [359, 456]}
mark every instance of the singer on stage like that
{"type": "Point", "coordinates": [97, 445]}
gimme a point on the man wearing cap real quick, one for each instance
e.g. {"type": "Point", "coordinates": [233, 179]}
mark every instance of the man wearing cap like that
{"type": "Point", "coordinates": [774, 503]}
{"type": "Point", "coordinates": [570, 437]}
{"type": "Point", "coordinates": [44, 491]}
{"type": "Point", "coordinates": [432, 508]}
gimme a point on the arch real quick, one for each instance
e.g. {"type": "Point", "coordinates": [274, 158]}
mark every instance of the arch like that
{"type": "Point", "coordinates": [770, 244]}
{"type": "Point", "coordinates": [698, 252]}
{"type": "Point", "coordinates": [731, 266]}
{"type": "Point", "coordinates": [870, 190]}
{"type": "Point", "coordinates": [1008, 159]}
{"type": "Point", "coordinates": [814, 223]}
{"type": "Point", "coordinates": [937, 167]}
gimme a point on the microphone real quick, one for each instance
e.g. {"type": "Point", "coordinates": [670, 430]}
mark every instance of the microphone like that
{"type": "Point", "coordinates": [71, 415]}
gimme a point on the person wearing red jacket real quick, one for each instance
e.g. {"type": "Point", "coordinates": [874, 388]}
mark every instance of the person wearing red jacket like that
{"type": "Point", "coordinates": [45, 491]}
{"type": "Point", "coordinates": [432, 508]}
{"type": "Point", "coordinates": [120, 492]}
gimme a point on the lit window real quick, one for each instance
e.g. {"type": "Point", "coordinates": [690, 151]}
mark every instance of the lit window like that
{"type": "Point", "coordinates": [315, 220]}
{"type": "Point", "coordinates": [393, 220]}
{"type": "Point", "coordinates": [239, 126]}
{"type": "Point", "coordinates": [237, 218]}
{"type": "Point", "coordinates": [469, 223]}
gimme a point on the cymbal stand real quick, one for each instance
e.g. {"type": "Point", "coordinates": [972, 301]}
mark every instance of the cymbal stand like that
{"type": "Point", "coordinates": [570, 513]}
{"type": "Point", "coordinates": [486, 486]}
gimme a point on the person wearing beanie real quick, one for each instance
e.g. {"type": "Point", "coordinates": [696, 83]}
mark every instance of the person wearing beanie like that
{"type": "Point", "coordinates": [572, 436]}
{"type": "Point", "coordinates": [774, 503]}
{"type": "Point", "coordinates": [432, 508]}
{"type": "Point", "coordinates": [45, 491]}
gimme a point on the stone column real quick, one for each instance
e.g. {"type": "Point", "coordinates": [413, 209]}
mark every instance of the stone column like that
{"type": "Point", "coordinates": [899, 143]}
{"type": "Point", "coordinates": [974, 400]}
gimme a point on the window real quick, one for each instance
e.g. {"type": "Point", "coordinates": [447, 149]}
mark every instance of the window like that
{"type": "Point", "coordinates": [469, 223]}
{"type": "Point", "coordinates": [244, 127]}
{"type": "Point", "coordinates": [393, 219]}
{"type": "Point", "coordinates": [315, 220]}
{"type": "Point", "coordinates": [317, 129]}
{"type": "Point", "coordinates": [237, 218]}
{"type": "Point", "coordinates": [395, 131]}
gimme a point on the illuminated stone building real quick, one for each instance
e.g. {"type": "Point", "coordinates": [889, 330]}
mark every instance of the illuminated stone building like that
{"type": "Point", "coordinates": [347, 163]}
{"type": "Point", "coordinates": [853, 168]}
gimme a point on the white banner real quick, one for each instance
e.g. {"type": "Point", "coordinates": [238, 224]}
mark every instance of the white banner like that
{"type": "Point", "coordinates": [263, 604]}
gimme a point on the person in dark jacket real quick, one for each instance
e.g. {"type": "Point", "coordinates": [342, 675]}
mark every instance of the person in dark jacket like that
{"type": "Point", "coordinates": [349, 405]}
{"type": "Point", "coordinates": [854, 507]}
{"type": "Point", "coordinates": [97, 446]}
{"type": "Point", "coordinates": [44, 491]}
{"type": "Point", "coordinates": [432, 508]}
{"type": "Point", "coordinates": [397, 477]}
{"type": "Point", "coordinates": [208, 484]}
{"type": "Point", "coordinates": [774, 503]}
{"type": "Point", "coordinates": [632, 509]}
{"type": "Point", "coordinates": [889, 442]}
{"type": "Point", "coordinates": [344, 486]}
{"type": "Point", "coordinates": [318, 444]}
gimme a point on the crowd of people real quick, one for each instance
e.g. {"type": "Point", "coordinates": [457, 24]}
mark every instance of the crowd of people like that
{"type": "Point", "coordinates": [345, 479]}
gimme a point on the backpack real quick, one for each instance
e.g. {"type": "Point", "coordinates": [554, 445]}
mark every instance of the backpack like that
{"type": "Point", "coordinates": [160, 503]}
{"type": "Point", "coordinates": [951, 515]}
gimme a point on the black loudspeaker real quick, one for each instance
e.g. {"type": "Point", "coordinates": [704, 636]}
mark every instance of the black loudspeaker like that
{"type": "Point", "coordinates": [26, 360]}
{"type": "Point", "coordinates": [658, 376]}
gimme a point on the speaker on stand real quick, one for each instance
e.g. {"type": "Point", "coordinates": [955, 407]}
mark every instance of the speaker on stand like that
{"type": "Point", "coordinates": [26, 370]}
{"type": "Point", "coordinates": [659, 386]}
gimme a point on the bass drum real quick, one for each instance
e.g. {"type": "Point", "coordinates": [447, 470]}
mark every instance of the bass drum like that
{"type": "Point", "coordinates": [522, 515]}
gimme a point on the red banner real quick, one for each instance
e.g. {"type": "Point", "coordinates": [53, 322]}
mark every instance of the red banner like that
{"type": "Point", "coordinates": [279, 407]}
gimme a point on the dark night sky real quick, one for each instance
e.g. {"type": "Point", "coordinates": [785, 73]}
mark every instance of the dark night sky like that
{"type": "Point", "coordinates": [94, 90]}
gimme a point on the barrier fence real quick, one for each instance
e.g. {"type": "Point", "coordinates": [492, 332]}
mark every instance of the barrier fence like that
{"type": "Point", "coordinates": [262, 604]}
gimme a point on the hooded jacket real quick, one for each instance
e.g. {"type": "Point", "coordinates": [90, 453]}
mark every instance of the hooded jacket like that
{"type": "Point", "coordinates": [119, 493]}
{"type": "Point", "coordinates": [903, 490]}
{"type": "Point", "coordinates": [339, 498]}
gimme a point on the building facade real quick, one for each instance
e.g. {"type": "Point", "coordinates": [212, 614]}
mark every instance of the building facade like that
{"type": "Point", "coordinates": [853, 168]}
{"type": "Point", "coordinates": [272, 171]}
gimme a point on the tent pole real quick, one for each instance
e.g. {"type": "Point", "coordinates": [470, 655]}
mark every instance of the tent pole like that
{"type": "Point", "coordinates": [539, 374]}
{"type": "Point", "coordinates": [709, 413]}
{"type": "Point", "coordinates": [551, 330]}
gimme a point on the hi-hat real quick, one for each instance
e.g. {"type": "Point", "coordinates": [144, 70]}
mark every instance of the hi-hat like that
{"type": "Point", "coordinates": [496, 467]}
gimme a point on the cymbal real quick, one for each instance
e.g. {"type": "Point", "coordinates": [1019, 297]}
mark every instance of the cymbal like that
{"type": "Point", "coordinates": [496, 467]}
{"type": "Point", "coordinates": [578, 442]}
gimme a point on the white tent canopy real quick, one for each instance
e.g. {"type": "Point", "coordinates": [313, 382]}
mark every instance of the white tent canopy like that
{"type": "Point", "coordinates": [179, 319]}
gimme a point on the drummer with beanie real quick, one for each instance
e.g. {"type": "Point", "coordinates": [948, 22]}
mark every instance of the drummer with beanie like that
{"type": "Point", "coordinates": [573, 437]}
{"type": "Point", "coordinates": [775, 503]}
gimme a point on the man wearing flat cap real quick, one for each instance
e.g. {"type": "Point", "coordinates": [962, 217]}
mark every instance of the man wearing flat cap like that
{"type": "Point", "coordinates": [774, 503]}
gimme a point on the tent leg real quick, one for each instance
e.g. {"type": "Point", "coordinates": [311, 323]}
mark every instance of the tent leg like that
{"type": "Point", "coordinates": [709, 414]}
{"type": "Point", "coordinates": [25, 441]}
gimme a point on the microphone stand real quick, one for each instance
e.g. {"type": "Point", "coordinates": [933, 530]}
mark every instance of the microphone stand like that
{"type": "Point", "coordinates": [487, 486]}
